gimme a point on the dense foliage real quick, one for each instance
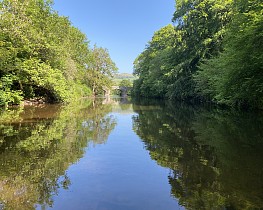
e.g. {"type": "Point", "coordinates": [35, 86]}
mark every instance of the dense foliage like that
{"type": "Point", "coordinates": [235, 76]}
{"type": "Point", "coordinates": [42, 54]}
{"type": "Point", "coordinates": [213, 52]}
{"type": "Point", "coordinates": [101, 69]}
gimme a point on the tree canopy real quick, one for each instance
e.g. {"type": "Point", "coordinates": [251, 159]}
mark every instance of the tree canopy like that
{"type": "Point", "coordinates": [212, 52]}
{"type": "Point", "coordinates": [43, 55]}
{"type": "Point", "coordinates": [100, 69]}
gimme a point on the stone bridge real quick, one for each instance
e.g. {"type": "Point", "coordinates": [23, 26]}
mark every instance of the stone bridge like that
{"type": "Point", "coordinates": [123, 89]}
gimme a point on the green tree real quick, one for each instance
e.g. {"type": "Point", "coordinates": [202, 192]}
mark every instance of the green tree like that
{"type": "Point", "coordinates": [43, 55]}
{"type": "Point", "coordinates": [202, 25]}
{"type": "Point", "coordinates": [235, 76]}
{"type": "Point", "coordinates": [167, 65]}
{"type": "Point", "coordinates": [153, 64]}
{"type": "Point", "coordinates": [40, 51]}
{"type": "Point", "coordinates": [100, 70]}
{"type": "Point", "coordinates": [214, 53]}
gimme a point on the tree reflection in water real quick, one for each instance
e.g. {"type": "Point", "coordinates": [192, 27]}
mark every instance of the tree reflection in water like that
{"type": "Point", "coordinates": [215, 156]}
{"type": "Point", "coordinates": [38, 144]}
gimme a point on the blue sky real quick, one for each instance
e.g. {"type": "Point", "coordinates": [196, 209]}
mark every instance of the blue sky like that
{"type": "Point", "coordinates": [122, 26]}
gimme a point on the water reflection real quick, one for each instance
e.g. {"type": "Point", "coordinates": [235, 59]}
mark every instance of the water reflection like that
{"type": "Point", "coordinates": [38, 144]}
{"type": "Point", "coordinates": [215, 156]}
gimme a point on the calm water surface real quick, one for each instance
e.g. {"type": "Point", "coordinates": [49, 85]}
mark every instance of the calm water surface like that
{"type": "Point", "coordinates": [122, 155]}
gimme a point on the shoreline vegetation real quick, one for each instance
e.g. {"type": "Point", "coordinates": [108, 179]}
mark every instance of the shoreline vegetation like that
{"type": "Point", "coordinates": [44, 58]}
{"type": "Point", "coordinates": [213, 52]}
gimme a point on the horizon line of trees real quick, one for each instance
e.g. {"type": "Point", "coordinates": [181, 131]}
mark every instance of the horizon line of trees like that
{"type": "Point", "coordinates": [211, 52]}
{"type": "Point", "coordinates": [42, 55]}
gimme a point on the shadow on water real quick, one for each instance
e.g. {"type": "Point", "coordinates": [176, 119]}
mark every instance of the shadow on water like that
{"type": "Point", "coordinates": [214, 156]}
{"type": "Point", "coordinates": [38, 144]}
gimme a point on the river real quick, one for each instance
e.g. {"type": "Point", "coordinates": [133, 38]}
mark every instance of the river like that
{"type": "Point", "coordinates": [119, 154]}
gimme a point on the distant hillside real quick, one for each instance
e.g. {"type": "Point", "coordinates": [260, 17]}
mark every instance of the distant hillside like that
{"type": "Point", "coordinates": [124, 76]}
{"type": "Point", "coordinates": [117, 78]}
